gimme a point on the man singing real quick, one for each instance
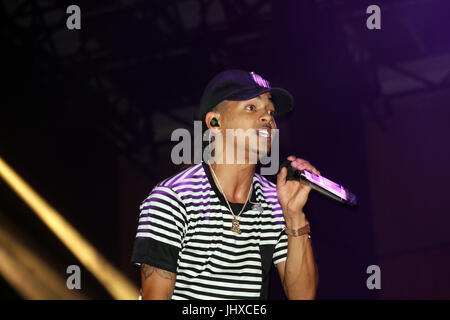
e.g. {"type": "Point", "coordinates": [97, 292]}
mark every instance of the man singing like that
{"type": "Point", "coordinates": [213, 230]}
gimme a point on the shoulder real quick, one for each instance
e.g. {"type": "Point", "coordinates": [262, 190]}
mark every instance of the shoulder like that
{"type": "Point", "coordinates": [269, 191]}
{"type": "Point", "coordinates": [177, 183]}
{"type": "Point", "coordinates": [185, 177]}
{"type": "Point", "coordinates": [266, 185]}
{"type": "Point", "coordinates": [269, 198]}
{"type": "Point", "coordinates": [166, 196]}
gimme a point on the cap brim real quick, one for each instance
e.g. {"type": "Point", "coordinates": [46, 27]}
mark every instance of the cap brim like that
{"type": "Point", "coordinates": [282, 99]}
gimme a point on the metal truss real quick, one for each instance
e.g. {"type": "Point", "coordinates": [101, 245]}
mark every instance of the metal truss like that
{"type": "Point", "coordinates": [129, 44]}
{"type": "Point", "coordinates": [401, 52]}
{"type": "Point", "coordinates": [158, 36]}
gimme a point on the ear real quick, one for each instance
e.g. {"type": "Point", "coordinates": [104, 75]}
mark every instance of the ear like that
{"type": "Point", "coordinates": [208, 118]}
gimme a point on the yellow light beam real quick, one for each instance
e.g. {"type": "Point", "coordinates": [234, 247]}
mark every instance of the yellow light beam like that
{"type": "Point", "coordinates": [27, 271]}
{"type": "Point", "coordinates": [116, 283]}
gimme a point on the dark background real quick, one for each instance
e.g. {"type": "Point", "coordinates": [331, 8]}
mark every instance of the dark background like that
{"type": "Point", "coordinates": [86, 117]}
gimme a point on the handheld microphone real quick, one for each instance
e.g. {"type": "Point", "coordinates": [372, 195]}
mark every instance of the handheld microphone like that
{"type": "Point", "coordinates": [320, 184]}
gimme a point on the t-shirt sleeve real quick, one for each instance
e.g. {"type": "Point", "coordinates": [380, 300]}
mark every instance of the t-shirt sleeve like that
{"type": "Point", "coordinates": [160, 231]}
{"type": "Point", "coordinates": [280, 252]}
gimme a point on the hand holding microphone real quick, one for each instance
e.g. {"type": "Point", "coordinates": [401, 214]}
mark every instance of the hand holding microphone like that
{"type": "Point", "coordinates": [293, 195]}
{"type": "Point", "coordinates": [301, 170]}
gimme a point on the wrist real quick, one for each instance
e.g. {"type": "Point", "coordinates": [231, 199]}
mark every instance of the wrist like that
{"type": "Point", "coordinates": [295, 221]}
{"type": "Point", "coordinates": [298, 232]}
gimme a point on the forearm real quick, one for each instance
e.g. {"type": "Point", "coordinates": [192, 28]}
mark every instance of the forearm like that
{"type": "Point", "coordinates": [301, 277]}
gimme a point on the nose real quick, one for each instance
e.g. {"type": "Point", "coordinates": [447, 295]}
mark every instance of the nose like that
{"type": "Point", "coordinates": [266, 118]}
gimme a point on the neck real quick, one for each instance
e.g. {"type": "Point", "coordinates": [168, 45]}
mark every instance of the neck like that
{"type": "Point", "coordinates": [235, 180]}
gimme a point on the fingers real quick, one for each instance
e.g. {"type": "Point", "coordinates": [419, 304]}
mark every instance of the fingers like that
{"type": "Point", "coordinates": [281, 177]}
{"type": "Point", "coordinates": [301, 164]}
{"type": "Point", "coordinates": [291, 158]}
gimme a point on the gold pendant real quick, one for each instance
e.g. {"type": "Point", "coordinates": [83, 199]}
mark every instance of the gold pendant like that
{"type": "Point", "coordinates": [235, 226]}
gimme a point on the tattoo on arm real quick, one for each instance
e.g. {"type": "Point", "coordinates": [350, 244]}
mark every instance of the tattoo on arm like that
{"type": "Point", "coordinates": [147, 271]}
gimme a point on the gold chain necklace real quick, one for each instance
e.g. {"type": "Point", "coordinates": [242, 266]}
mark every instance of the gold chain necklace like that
{"type": "Point", "coordinates": [235, 222]}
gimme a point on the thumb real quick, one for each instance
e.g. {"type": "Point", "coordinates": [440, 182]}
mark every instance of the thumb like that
{"type": "Point", "coordinates": [281, 177]}
{"type": "Point", "coordinates": [306, 188]}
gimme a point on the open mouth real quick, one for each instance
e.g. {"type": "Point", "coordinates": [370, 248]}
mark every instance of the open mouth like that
{"type": "Point", "coordinates": [264, 132]}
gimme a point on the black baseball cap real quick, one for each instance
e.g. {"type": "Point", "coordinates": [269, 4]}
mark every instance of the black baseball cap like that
{"type": "Point", "coordinates": [238, 85]}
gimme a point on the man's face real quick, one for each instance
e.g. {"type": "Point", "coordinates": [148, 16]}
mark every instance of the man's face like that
{"type": "Point", "coordinates": [255, 114]}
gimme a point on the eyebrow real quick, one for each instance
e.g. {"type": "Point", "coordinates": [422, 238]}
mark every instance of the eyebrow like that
{"type": "Point", "coordinates": [270, 99]}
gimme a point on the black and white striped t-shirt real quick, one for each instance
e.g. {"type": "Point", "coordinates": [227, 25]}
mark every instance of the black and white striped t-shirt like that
{"type": "Point", "coordinates": [185, 228]}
